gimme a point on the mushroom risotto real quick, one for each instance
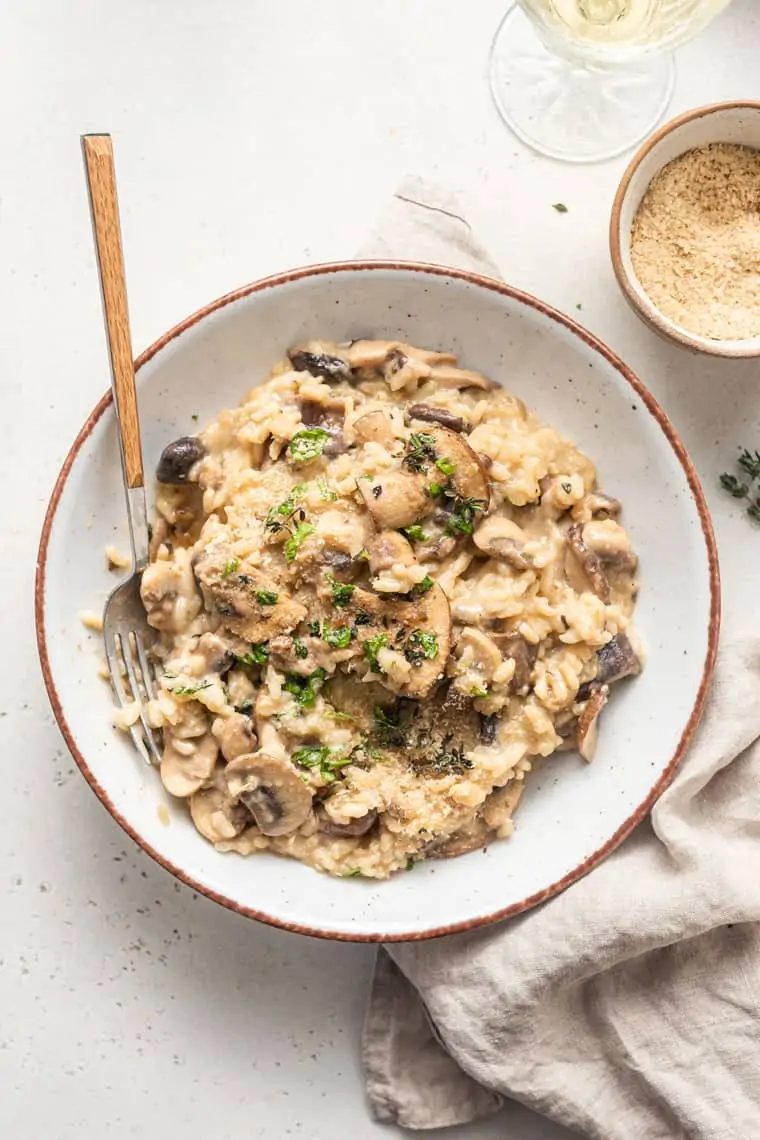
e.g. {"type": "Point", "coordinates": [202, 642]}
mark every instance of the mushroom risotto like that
{"type": "Point", "coordinates": [382, 589]}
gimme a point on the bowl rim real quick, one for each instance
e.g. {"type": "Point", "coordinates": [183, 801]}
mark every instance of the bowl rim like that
{"type": "Point", "coordinates": [642, 393]}
{"type": "Point", "coordinates": [645, 308]}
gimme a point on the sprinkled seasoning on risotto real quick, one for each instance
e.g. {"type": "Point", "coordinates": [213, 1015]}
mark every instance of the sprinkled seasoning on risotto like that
{"type": "Point", "coordinates": [381, 590]}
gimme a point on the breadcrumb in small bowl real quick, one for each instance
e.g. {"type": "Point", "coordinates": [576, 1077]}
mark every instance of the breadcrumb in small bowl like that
{"type": "Point", "coordinates": [685, 230]}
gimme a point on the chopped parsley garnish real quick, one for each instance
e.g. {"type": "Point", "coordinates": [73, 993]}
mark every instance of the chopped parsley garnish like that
{"type": "Point", "coordinates": [266, 598]}
{"type": "Point", "coordinates": [435, 489]}
{"type": "Point", "coordinates": [410, 863]}
{"type": "Point", "coordinates": [339, 638]}
{"type": "Point", "coordinates": [421, 646]}
{"type": "Point", "coordinates": [319, 756]}
{"type": "Point", "coordinates": [450, 761]}
{"type": "Point", "coordinates": [279, 515]}
{"type": "Point", "coordinates": [351, 873]}
{"type": "Point", "coordinates": [304, 689]}
{"type": "Point", "coordinates": [446, 465]}
{"type": "Point", "coordinates": [361, 617]}
{"type": "Point", "coordinates": [560, 207]}
{"type": "Point", "coordinates": [341, 592]}
{"type": "Point", "coordinates": [414, 533]}
{"type": "Point", "coordinates": [372, 647]}
{"type": "Point", "coordinates": [195, 417]}
{"type": "Point", "coordinates": [314, 628]}
{"type": "Point", "coordinates": [478, 691]}
{"type": "Point", "coordinates": [300, 649]}
{"type": "Point", "coordinates": [420, 451]}
{"type": "Point", "coordinates": [426, 584]}
{"type": "Point", "coordinates": [362, 556]}
{"type": "Point", "coordinates": [387, 731]}
{"type": "Point", "coordinates": [299, 535]}
{"type": "Point", "coordinates": [189, 690]}
{"type": "Point", "coordinates": [462, 516]}
{"type": "Point", "coordinates": [257, 655]}
{"type": "Point", "coordinates": [326, 494]}
{"type": "Point", "coordinates": [230, 567]}
{"type": "Point", "coordinates": [307, 444]}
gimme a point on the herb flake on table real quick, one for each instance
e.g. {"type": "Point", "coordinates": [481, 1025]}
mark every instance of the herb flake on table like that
{"type": "Point", "coordinates": [560, 207]}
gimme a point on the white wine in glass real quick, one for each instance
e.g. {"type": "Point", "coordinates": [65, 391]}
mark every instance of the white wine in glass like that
{"type": "Point", "coordinates": [584, 80]}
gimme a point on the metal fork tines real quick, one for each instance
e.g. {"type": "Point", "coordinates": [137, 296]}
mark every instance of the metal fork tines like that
{"type": "Point", "coordinates": [128, 639]}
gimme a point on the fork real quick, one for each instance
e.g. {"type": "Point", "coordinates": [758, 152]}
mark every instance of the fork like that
{"type": "Point", "coordinates": [127, 635]}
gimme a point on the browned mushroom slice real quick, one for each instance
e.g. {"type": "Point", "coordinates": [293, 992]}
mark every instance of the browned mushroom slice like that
{"type": "Point", "coordinates": [431, 415]}
{"type": "Point", "coordinates": [245, 597]}
{"type": "Point", "coordinates": [395, 498]}
{"type": "Point", "coordinates": [374, 353]}
{"type": "Point", "coordinates": [588, 722]}
{"type": "Point", "coordinates": [580, 557]}
{"type": "Point", "coordinates": [235, 735]}
{"type": "Point", "coordinates": [184, 772]}
{"type": "Point", "coordinates": [387, 549]}
{"type": "Point", "coordinates": [272, 791]}
{"type": "Point", "coordinates": [610, 542]}
{"type": "Point", "coordinates": [501, 538]}
{"type": "Point", "coordinates": [319, 364]}
{"type": "Point", "coordinates": [354, 829]}
{"type": "Point", "coordinates": [514, 646]}
{"type": "Point", "coordinates": [614, 661]}
{"type": "Point", "coordinates": [468, 477]}
{"type": "Point", "coordinates": [216, 815]}
{"type": "Point", "coordinates": [473, 836]}
{"type": "Point", "coordinates": [483, 654]}
{"type": "Point", "coordinates": [374, 427]}
{"type": "Point", "coordinates": [447, 376]}
{"type": "Point", "coordinates": [595, 504]}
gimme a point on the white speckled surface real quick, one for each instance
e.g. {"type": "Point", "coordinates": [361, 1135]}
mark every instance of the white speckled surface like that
{"type": "Point", "coordinates": [249, 137]}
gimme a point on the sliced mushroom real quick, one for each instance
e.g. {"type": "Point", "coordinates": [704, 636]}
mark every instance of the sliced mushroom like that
{"type": "Point", "coordinates": [169, 593]}
{"type": "Point", "coordinates": [514, 646]}
{"type": "Point", "coordinates": [501, 538]}
{"type": "Point", "coordinates": [588, 722]}
{"type": "Point", "coordinates": [187, 765]}
{"type": "Point", "coordinates": [484, 654]}
{"type": "Point", "coordinates": [580, 557]}
{"type": "Point", "coordinates": [272, 791]}
{"type": "Point", "coordinates": [375, 427]}
{"type": "Point", "coordinates": [388, 549]}
{"type": "Point", "coordinates": [429, 414]}
{"type": "Point", "coordinates": [319, 364]}
{"type": "Point", "coordinates": [595, 504]}
{"type": "Point", "coordinates": [447, 376]}
{"type": "Point", "coordinates": [395, 498]}
{"type": "Point", "coordinates": [468, 478]}
{"type": "Point", "coordinates": [610, 541]}
{"type": "Point", "coordinates": [374, 353]}
{"type": "Point", "coordinates": [235, 735]}
{"type": "Point", "coordinates": [246, 598]}
{"type": "Point", "coordinates": [216, 653]}
{"type": "Point", "coordinates": [216, 816]}
{"type": "Point", "coordinates": [614, 661]}
{"type": "Point", "coordinates": [475, 835]}
{"type": "Point", "coordinates": [330, 419]}
{"type": "Point", "coordinates": [355, 828]}
{"type": "Point", "coordinates": [178, 459]}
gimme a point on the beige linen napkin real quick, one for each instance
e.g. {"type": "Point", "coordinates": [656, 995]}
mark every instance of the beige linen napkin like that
{"type": "Point", "coordinates": [629, 1006]}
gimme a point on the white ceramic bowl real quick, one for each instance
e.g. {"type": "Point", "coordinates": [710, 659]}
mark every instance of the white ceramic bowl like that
{"type": "Point", "coordinates": [574, 813]}
{"type": "Point", "coordinates": [737, 123]}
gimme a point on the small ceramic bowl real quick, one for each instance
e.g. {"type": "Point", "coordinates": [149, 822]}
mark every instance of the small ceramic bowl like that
{"type": "Point", "coordinates": [737, 123]}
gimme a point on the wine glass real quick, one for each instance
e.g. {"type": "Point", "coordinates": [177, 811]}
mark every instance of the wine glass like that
{"type": "Point", "coordinates": [584, 80]}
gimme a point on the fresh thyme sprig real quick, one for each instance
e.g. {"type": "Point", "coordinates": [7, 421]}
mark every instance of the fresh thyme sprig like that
{"type": "Point", "coordinates": [749, 462]}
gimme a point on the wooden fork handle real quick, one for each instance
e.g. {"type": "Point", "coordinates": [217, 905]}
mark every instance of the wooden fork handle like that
{"type": "Point", "coordinates": [101, 182]}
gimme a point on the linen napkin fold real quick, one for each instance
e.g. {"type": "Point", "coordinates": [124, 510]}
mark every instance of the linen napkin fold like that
{"type": "Point", "coordinates": [628, 1006]}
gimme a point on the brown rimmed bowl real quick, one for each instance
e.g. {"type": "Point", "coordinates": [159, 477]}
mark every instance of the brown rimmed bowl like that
{"type": "Point", "coordinates": [574, 814]}
{"type": "Point", "coordinates": [737, 123]}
